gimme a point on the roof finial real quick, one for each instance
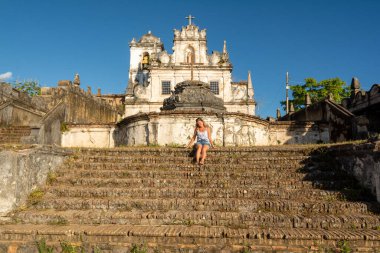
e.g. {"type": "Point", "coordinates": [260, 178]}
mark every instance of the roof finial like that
{"type": "Point", "coordinates": [225, 47]}
{"type": "Point", "coordinates": [251, 91]}
{"type": "Point", "coordinates": [190, 18]}
{"type": "Point", "coordinates": [249, 79]}
{"type": "Point", "coordinates": [355, 84]}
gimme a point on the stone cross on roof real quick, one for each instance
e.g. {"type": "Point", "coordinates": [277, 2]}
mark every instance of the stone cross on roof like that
{"type": "Point", "coordinates": [190, 18]}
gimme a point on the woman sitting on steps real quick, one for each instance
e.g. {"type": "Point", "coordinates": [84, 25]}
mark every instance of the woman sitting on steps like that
{"type": "Point", "coordinates": [204, 141]}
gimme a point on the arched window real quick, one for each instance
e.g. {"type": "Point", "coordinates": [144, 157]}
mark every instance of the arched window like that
{"type": "Point", "coordinates": [190, 55]}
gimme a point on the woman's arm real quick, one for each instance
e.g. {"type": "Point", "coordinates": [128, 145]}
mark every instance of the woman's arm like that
{"type": "Point", "coordinates": [209, 137]}
{"type": "Point", "coordinates": [192, 139]}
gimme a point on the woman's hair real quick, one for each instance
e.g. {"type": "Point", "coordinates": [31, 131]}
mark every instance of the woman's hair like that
{"type": "Point", "coordinates": [200, 119]}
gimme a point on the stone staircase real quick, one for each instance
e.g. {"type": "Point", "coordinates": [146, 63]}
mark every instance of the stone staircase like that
{"type": "Point", "coordinates": [261, 199]}
{"type": "Point", "coordinates": [13, 134]}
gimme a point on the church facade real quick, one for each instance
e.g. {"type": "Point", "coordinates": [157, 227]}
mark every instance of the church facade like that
{"type": "Point", "coordinates": [154, 72]}
{"type": "Point", "coordinates": [165, 95]}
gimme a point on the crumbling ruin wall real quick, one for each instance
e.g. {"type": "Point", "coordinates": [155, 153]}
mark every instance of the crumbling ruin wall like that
{"type": "Point", "coordinates": [97, 136]}
{"type": "Point", "coordinates": [51, 126]}
{"type": "Point", "coordinates": [22, 171]}
{"type": "Point", "coordinates": [362, 161]}
{"type": "Point", "coordinates": [17, 108]}
{"type": "Point", "coordinates": [291, 132]}
{"type": "Point", "coordinates": [70, 105]}
{"type": "Point", "coordinates": [80, 107]}
{"type": "Point", "coordinates": [83, 108]}
{"type": "Point", "coordinates": [47, 115]}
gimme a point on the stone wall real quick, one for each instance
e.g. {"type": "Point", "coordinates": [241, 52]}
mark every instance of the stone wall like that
{"type": "Point", "coordinates": [71, 105]}
{"type": "Point", "coordinates": [362, 161]}
{"type": "Point", "coordinates": [80, 107]}
{"type": "Point", "coordinates": [50, 129]}
{"type": "Point", "coordinates": [48, 114]}
{"type": "Point", "coordinates": [228, 129]}
{"type": "Point", "coordinates": [241, 107]}
{"type": "Point", "coordinates": [19, 109]}
{"type": "Point", "coordinates": [100, 136]}
{"type": "Point", "coordinates": [291, 132]}
{"type": "Point", "coordinates": [22, 170]}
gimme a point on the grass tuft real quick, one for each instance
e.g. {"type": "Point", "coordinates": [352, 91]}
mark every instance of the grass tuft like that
{"type": "Point", "coordinates": [35, 196]}
{"type": "Point", "coordinates": [42, 247]}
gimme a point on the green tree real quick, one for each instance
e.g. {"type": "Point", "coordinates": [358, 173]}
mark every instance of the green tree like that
{"type": "Point", "coordinates": [31, 87]}
{"type": "Point", "coordinates": [317, 91]}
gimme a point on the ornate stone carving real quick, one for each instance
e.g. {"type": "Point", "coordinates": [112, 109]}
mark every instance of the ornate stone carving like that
{"type": "Point", "coordinates": [191, 96]}
{"type": "Point", "coordinates": [239, 92]}
{"type": "Point", "coordinates": [215, 58]}
{"type": "Point", "coordinates": [139, 91]}
{"type": "Point", "coordinates": [164, 57]}
{"type": "Point", "coordinates": [203, 34]}
{"type": "Point", "coordinates": [177, 33]}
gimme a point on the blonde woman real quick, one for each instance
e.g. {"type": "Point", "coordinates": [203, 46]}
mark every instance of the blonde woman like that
{"type": "Point", "coordinates": [203, 135]}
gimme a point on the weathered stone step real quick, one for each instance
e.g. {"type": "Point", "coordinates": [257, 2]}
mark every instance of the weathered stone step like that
{"type": "Point", "coordinates": [231, 174]}
{"type": "Point", "coordinates": [176, 238]}
{"type": "Point", "coordinates": [167, 192]}
{"type": "Point", "coordinates": [180, 160]}
{"type": "Point", "coordinates": [219, 204]}
{"type": "Point", "coordinates": [202, 183]}
{"type": "Point", "coordinates": [204, 218]}
{"type": "Point", "coordinates": [164, 166]}
{"type": "Point", "coordinates": [171, 175]}
{"type": "Point", "coordinates": [184, 173]}
{"type": "Point", "coordinates": [278, 151]}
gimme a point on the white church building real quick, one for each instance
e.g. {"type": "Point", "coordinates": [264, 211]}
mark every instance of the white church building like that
{"type": "Point", "coordinates": [167, 92]}
{"type": "Point", "coordinates": [154, 72]}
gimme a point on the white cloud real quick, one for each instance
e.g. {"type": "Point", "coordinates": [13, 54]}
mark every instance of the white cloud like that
{"type": "Point", "coordinates": [5, 76]}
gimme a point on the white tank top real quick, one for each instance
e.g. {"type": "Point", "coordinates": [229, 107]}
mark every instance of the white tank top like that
{"type": "Point", "coordinates": [202, 135]}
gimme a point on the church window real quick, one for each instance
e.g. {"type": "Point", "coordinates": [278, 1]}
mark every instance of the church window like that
{"type": "Point", "coordinates": [165, 88]}
{"type": "Point", "coordinates": [214, 87]}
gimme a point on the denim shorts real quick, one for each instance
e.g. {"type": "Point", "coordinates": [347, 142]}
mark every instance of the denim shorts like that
{"type": "Point", "coordinates": [203, 142]}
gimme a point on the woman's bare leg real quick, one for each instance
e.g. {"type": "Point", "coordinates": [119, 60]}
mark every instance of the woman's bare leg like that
{"type": "Point", "coordinates": [204, 150]}
{"type": "Point", "coordinates": [198, 154]}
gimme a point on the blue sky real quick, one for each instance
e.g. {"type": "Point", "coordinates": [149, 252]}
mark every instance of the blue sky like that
{"type": "Point", "coordinates": [50, 40]}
